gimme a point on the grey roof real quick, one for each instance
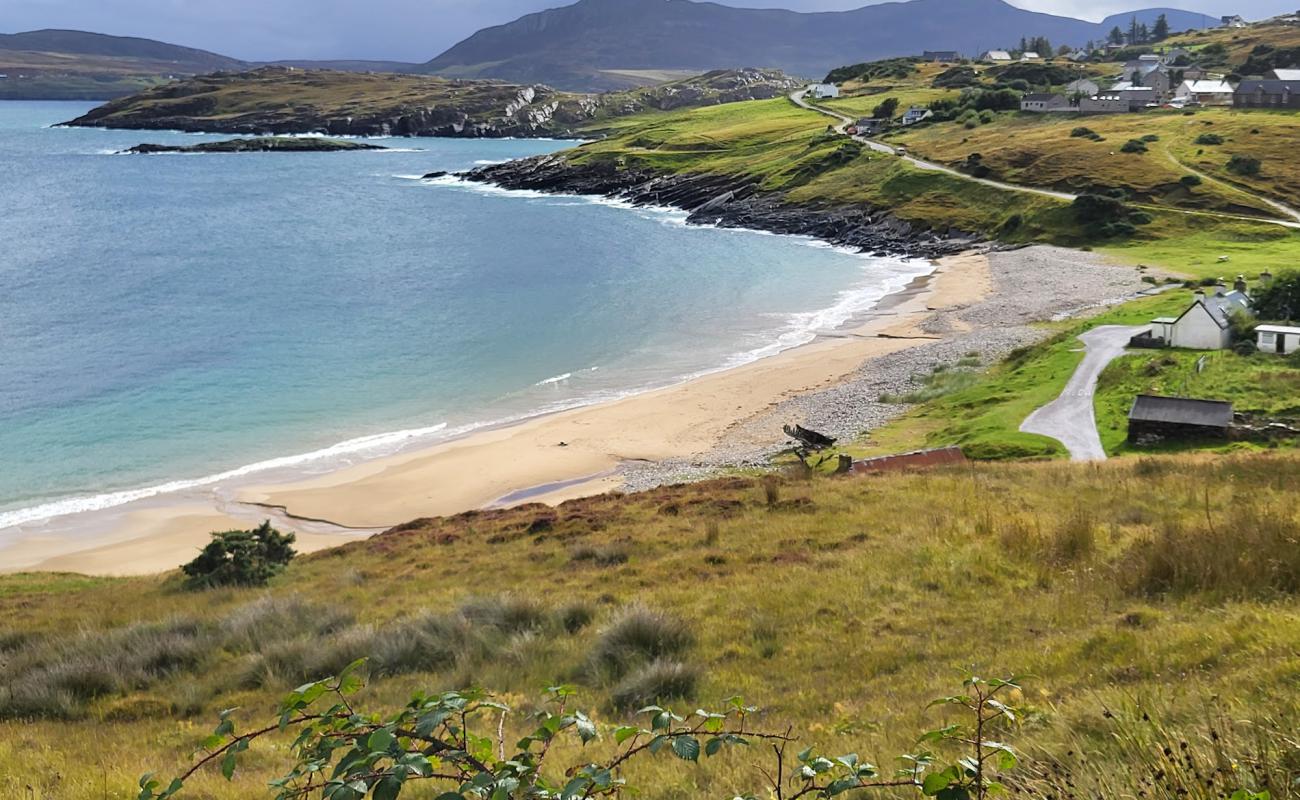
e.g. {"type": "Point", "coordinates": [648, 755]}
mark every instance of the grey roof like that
{"type": "Point", "coordinates": [1268, 86]}
{"type": "Point", "coordinates": [1039, 98]}
{"type": "Point", "coordinates": [1181, 411]}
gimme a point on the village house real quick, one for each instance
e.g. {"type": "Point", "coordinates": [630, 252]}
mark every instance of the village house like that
{"type": "Point", "coordinates": [1030, 55]}
{"type": "Point", "coordinates": [1082, 86]}
{"type": "Point", "coordinates": [916, 114]}
{"type": "Point", "coordinates": [941, 56]}
{"type": "Point", "coordinates": [1078, 56]}
{"type": "Point", "coordinates": [1284, 75]}
{"type": "Point", "coordinates": [1207, 323]}
{"type": "Point", "coordinates": [824, 91]}
{"type": "Point", "coordinates": [1136, 97]}
{"type": "Point", "coordinates": [1043, 103]}
{"type": "Point", "coordinates": [1104, 103]}
{"type": "Point", "coordinates": [1173, 56]}
{"type": "Point", "coordinates": [1267, 94]}
{"type": "Point", "coordinates": [1197, 73]}
{"type": "Point", "coordinates": [1232, 21]}
{"type": "Point", "coordinates": [996, 56]}
{"type": "Point", "coordinates": [1280, 339]}
{"type": "Point", "coordinates": [868, 125]}
{"type": "Point", "coordinates": [1207, 93]}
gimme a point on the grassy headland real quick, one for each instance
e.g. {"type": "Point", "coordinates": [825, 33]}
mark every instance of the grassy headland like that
{"type": "Point", "coordinates": [1146, 587]}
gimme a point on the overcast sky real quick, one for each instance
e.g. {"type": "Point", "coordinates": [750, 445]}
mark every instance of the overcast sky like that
{"type": "Point", "coordinates": [406, 30]}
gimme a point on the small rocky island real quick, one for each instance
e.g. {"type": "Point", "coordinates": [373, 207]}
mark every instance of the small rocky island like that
{"type": "Point", "coordinates": [260, 144]}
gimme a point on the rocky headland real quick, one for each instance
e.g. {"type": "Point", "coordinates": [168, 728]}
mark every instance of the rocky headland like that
{"type": "Point", "coordinates": [282, 100]}
{"type": "Point", "coordinates": [261, 144]}
{"type": "Point", "coordinates": [726, 201]}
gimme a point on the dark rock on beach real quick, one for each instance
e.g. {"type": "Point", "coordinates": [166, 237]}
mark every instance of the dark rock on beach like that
{"type": "Point", "coordinates": [728, 202]}
{"type": "Point", "coordinates": [263, 144]}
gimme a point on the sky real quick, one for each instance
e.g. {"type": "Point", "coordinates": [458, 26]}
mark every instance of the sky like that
{"type": "Point", "coordinates": [409, 30]}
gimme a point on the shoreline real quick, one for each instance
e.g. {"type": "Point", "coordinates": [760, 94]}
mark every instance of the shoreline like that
{"type": "Point", "coordinates": [160, 532]}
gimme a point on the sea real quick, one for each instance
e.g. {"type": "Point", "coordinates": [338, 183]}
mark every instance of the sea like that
{"type": "Point", "coordinates": [173, 322]}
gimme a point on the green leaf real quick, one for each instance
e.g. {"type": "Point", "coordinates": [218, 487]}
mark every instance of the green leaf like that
{"type": "Point", "coordinates": [586, 728]}
{"type": "Point", "coordinates": [934, 783]}
{"type": "Point", "coordinates": [389, 788]}
{"type": "Point", "coordinates": [228, 764]}
{"type": "Point", "coordinates": [840, 786]}
{"type": "Point", "coordinates": [1006, 760]}
{"type": "Point", "coordinates": [687, 748]}
{"type": "Point", "coordinates": [380, 740]}
{"type": "Point", "coordinates": [712, 746]}
{"type": "Point", "coordinates": [625, 732]}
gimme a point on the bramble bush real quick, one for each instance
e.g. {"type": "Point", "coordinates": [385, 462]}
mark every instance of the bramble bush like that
{"type": "Point", "coordinates": [343, 752]}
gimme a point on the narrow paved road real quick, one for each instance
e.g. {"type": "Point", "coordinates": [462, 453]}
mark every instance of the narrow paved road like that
{"type": "Point", "coordinates": [1070, 419]}
{"type": "Point", "coordinates": [844, 121]}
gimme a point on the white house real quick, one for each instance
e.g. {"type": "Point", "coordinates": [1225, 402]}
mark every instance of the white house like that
{"type": "Point", "coordinates": [1207, 93]}
{"type": "Point", "coordinates": [1206, 324]}
{"type": "Point", "coordinates": [1082, 86]}
{"type": "Point", "coordinates": [824, 91]}
{"type": "Point", "coordinates": [1280, 339]}
{"type": "Point", "coordinates": [1233, 21]}
{"type": "Point", "coordinates": [1285, 75]}
{"type": "Point", "coordinates": [1044, 103]}
{"type": "Point", "coordinates": [996, 56]}
{"type": "Point", "coordinates": [1030, 55]}
{"type": "Point", "coordinates": [916, 114]}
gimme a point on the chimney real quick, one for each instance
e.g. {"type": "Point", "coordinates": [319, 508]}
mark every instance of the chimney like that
{"type": "Point", "coordinates": [1221, 288]}
{"type": "Point", "coordinates": [1199, 296]}
{"type": "Point", "coordinates": [1240, 285]}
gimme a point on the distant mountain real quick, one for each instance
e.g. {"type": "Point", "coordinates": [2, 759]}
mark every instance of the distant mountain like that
{"type": "Point", "coordinates": [77, 65]}
{"type": "Point", "coordinates": [129, 47]}
{"type": "Point", "coordinates": [590, 44]}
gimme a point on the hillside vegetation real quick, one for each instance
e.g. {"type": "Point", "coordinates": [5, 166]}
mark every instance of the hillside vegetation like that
{"type": "Point", "coordinates": [1157, 590]}
{"type": "Point", "coordinates": [288, 100]}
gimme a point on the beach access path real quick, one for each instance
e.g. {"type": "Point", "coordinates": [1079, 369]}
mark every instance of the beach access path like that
{"type": "Point", "coordinates": [1071, 419]}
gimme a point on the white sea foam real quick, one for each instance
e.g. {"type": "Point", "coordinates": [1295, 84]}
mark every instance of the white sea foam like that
{"type": "Point", "coordinates": [554, 379]}
{"type": "Point", "coordinates": [365, 446]}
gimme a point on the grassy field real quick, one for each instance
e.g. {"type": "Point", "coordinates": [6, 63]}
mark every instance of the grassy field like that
{"type": "Point", "coordinates": [1040, 150]}
{"type": "Point", "coordinates": [840, 606]}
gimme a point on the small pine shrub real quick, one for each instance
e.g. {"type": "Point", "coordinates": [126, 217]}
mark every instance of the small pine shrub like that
{"type": "Point", "coordinates": [240, 558]}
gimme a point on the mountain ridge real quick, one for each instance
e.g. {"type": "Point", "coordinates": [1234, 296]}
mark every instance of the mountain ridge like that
{"type": "Point", "coordinates": [574, 47]}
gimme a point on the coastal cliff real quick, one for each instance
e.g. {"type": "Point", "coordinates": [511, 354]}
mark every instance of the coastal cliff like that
{"type": "Point", "coordinates": [726, 201]}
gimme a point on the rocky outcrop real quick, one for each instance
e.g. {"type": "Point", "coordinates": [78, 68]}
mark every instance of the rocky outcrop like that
{"type": "Point", "coordinates": [277, 101]}
{"type": "Point", "coordinates": [274, 144]}
{"type": "Point", "coordinates": [728, 202]}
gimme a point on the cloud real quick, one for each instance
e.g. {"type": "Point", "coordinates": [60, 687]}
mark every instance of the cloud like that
{"type": "Point", "coordinates": [407, 30]}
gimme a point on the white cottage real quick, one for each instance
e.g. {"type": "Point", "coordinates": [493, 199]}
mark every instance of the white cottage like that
{"type": "Point", "coordinates": [1280, 339]}
{"type": "Point", "coordinates": [1206, 324]}
{"type": "Point", "coordinates": [824, 91]}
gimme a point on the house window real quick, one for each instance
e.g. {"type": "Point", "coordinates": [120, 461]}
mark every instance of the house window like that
{"type": "Point", "coordinates": [1267, 339]}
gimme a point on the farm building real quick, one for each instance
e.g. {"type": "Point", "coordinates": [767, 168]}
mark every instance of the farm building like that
{"type": "Point", "coordinates": [1082, 86]}
{"type": "Point", "coordinates": [942, 56]}
{"type": "Point", "coordinates": [1207, 93]}
{"type": "Point", "coordinates": [1155, 419]}
{"type": "Point", "coordinates": [1280, 339]}
{"type": "Point", "coordinates": [824, 91]}
{"type": "Point", "coordinates": [1267, 94]}
{"type": "Point", "coordinates": [1043, 103]}
{"type": "Point", "coordinates": [996, 56]}
{"type": "Point", "coordinates": [1105, 103]}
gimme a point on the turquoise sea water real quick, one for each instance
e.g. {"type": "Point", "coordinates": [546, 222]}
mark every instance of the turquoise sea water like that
{"type": "Point", "coordinates": [171, 318]}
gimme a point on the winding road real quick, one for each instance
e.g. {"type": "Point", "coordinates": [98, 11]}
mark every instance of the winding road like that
{"type": "Point", "coordinates": [1071, 419]}
{"type": "Point", "coordinates": [799, 98]}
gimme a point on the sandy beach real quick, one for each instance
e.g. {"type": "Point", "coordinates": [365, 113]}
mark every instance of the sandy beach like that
{"type": "Point", "coordinates": [557, 457]}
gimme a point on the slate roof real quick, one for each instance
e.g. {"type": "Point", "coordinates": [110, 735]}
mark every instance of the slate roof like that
{"type": "Point", "coordinates": [1038, 98]}
{"type": "Point", "coordinates": [1181, 411]}
{"type": "Point", "coordinates": [1268, 86]}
